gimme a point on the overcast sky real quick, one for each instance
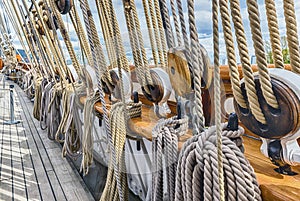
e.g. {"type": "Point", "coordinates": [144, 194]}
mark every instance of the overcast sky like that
{"type": "Point", "coordinates": [203, 18]}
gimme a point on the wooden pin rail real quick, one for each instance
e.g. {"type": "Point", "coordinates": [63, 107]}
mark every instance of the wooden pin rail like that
{"type": "Point", "coordinates": [274, 186]}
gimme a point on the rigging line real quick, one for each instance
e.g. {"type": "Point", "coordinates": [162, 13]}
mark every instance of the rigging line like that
{"type": "Point", "coordinates": [81, 34]}
{"type": "Point", "coordinates": [31, 49]}
{"type": "Point", "coordinates": [217, 96]}
{"type": "Point", "coordinates": [52, 24]}
{"type": "Point", "coordinates": [35, 39]}
{"type": "Point", "coordinates": [53, 46]}
{"type": "Point", "coordinates": [251, 91]}
{"type": "Point", "coordinates": [17, 29]}
{"type": "Point", "coordinates": [65, 35]}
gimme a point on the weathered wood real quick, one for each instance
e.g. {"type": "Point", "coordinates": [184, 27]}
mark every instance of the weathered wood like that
{"type": "Point", "coordinates": [28, 169]}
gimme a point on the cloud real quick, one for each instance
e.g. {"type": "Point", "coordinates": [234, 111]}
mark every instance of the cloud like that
{"type": "Point", "coordinates": [203, 16]}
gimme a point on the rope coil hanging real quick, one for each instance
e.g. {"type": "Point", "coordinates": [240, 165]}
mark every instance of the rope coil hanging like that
{"type": "Point", "coordinates": [164, 156]}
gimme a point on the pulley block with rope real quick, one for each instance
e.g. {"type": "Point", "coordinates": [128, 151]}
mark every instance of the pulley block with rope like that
{"type": "Point", "coordinates": [280, 133]}
{"type": "Point", "coordinates": [116, 93]}
{"type": "Point", "coordinates": [280, 122]}
{"type": "Point", "coordinates": [160, 91]}
{"type": "Point", "coordinates": [181, 76]}
{"type": "Point", "coordinates": [64, 6]}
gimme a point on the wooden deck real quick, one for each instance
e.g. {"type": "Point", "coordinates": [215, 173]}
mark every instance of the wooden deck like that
{"type": "Point", "coordinates": [31, 166]}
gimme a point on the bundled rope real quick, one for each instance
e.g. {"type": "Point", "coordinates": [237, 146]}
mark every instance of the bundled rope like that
{"type": "Point", "coordinates": [65, 105]}
{"type": "Point", "coordinates": [45, 101]}
{"type": "Point", "coordinates": [87, 137]}
{"type": "Point", "coordinates": [164, 156]}
{"type": "Point", "coordinates": [54, 116]}
{"type": "Point", "coordinates": [38, 98]}
{"type": "Point", "coordinates": [197, 170]}
{"type": "Point", "coordinates": [117, 172]}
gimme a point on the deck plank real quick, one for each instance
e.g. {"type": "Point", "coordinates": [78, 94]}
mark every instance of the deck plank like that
{"type": "Point", "coordinates": [31, 166]}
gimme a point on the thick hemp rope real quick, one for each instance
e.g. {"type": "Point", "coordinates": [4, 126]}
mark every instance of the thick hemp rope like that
{"type": "Point", "coordinates": [264, 77]}
{"type": "Point", "coordinates": [292, 34]}
{"type": "Point", "coordinates": [54, 116]}
{"type": "Point", "coordinates": [197, 170]}
{"type": "Point", "coordinates": [197, 67]}
{"type": "Point", "coordinates": [87, 137]}
{"type": "Point", "coordinates": [217, 96]}
{"type": "Point", "coordinates": [246, 65]}
{"type": "Point", "coordinates": [137, 45]}
{"type": "Point", "coordinates": [164, 156]}
{"type": "Point", "coordinates": [274, 33]}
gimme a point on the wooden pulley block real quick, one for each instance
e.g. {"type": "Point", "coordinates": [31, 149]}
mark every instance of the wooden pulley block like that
{"type": "Point", "coordinates": [207, 69]}
{"type": "Point", "coordinates": [64, 6]}
{"type": "Point", "coordinates": [178, 70]}
{"type": "Point", "coordinates": [161, 89]}
{"type": "Point", "coordinates": [39, 27]}
{"type": "Point", "coordinates": [180, 74]}
{"type": "Point", "coordinates": [127, 85]}
{"type": "Point", "coordinates": [282, 122]}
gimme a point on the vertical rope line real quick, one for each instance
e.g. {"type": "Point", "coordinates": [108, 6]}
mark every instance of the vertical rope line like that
{"type": "Point", "coordinates": [217, 96]}
{"type": "Point", "coordinates": [184, 34]}
{"type": "Point", "coordinates": [81, 34]}
{"type": "Point", "coordinates": [162, 33]}
{"type": "Point", "coordinates": [292, 34]}
{"type": "Point", "coordinates": [264, 77]}
{"type": "Point", "coordinates": [234, 73]}
{"type": "Point", "coordinates": [197, 64]}
{"type": "Point", "coordinates": [274, 33]}
{"type": "Point", "coordinates": [150, 32]}
{"type": "Point", "coordinates": [176, 23]}
{"type": "Point", "coordinates": [246, 65]}
{"type": "Point", "coordinates": [156, 31]}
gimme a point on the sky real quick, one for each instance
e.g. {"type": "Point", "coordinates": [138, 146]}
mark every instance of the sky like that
{"type": "Point", "coordinates": [203, 19]}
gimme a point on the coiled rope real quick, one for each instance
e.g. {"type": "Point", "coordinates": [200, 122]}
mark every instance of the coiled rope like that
{"type": "Point", "coordinates": [87, 137]}
{"type": "Point", "coordinates": [164, 156]}
{"type": "Point", "coordinates": [197, 171]}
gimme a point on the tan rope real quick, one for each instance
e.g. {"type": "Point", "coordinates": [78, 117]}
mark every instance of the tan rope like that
{"type": "Point", "coordinates": [246, 65]}
{"type": "Point", "coordinates": [292, 34]}
{"type": "Point", "coordinates": [81, 34]}
{"type": "Point", "coordinates": [66, 38]}
{"type": "Point", "coordinates": [150, 32]}
{"type": "Point", "coordinates": [197, 64]}
{"type": "Point", "coordinates": [264, 77]}
{"type": "Point", "coordinates": [274, 33]}
{"type": "Point", "coordinates": [234, 73]}
{"type": "Point", "coordinates": [176, 23]}
{"type": "Point", "coordinates": [217, 96]}
{"type": "Point", "coordinates": [197, 170]}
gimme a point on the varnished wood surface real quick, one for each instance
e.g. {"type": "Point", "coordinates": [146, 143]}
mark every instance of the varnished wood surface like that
{"type": "Point", "coordinates": [273, 185]}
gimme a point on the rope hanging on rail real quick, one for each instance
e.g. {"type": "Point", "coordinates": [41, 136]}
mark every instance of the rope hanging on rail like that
{"type": "Point", "coordinates": [164, 156]}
